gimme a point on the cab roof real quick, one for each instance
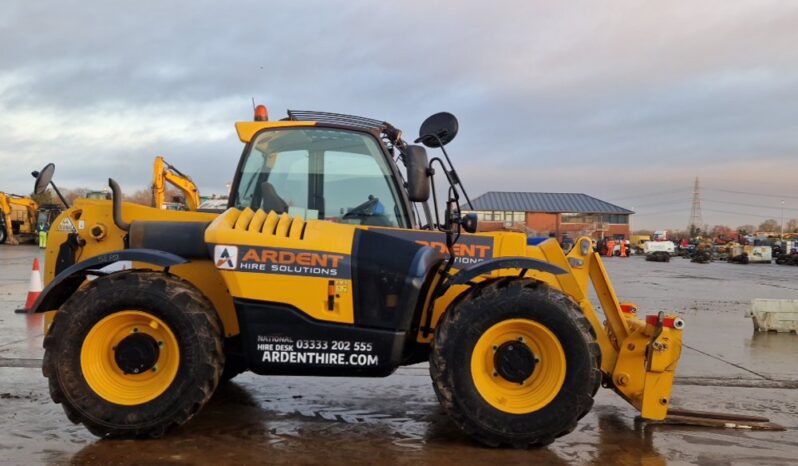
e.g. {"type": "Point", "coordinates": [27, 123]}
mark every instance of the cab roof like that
{"type": "Point", "coordinates": [304, 118]}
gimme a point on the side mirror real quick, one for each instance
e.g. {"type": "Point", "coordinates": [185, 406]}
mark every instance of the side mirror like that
{"type": "Point", "coordinates": [43, 178]}
{"type": "Point", "coordinates": [469, 223]}
{"type": "Point", "coordinates": [415, 158]}
{"type": "Point", "coordinates": [438, 130]}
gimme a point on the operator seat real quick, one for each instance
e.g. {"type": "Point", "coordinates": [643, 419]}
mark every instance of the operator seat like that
{"type": "Point", "coordinates": [270, 200]}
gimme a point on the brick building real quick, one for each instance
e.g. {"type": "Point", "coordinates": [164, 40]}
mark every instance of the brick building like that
{"type": "Point", "coordinates": [540, 214]}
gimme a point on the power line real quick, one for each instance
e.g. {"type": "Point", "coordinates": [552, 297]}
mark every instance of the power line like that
{"type": "Point", "coordinates": [751, 205]}
{"type": "Point", "coordinates": [660, 212]}
{"type": "Point", "coordinates": [638, 196]}
{"type": "Point", "coordinates": [777, 196]}
{"type": "Point", "coordinates": [659, 203]}
{"type": "Point", "coordinates": [740, 213]}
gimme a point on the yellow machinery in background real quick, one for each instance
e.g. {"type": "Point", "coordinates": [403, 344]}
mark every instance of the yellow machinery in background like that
{"type": "Point", "coordinates": [163, 173]}
{"type": "Point", "coordinates": [332, 259]}
{"type": "Point", "coordinates": [17, 218]}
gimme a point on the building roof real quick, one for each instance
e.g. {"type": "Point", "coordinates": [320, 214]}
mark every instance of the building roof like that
{"type": "Point", "coordinates": [546, 202]}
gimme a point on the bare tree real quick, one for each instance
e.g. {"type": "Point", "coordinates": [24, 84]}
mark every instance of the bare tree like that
{"type": "Point", "coordinates": [142, 196]}
{"type": "Point", "coordinates": [720, 231]}
{"type": "Point", "coordinates": [769, 225]}
{"type": "Point", "coordinates": [746, 229]}
{"type": "Point", "coordinates": [46, 197]}
{"type": "Point", "coordinates": [71, 194]}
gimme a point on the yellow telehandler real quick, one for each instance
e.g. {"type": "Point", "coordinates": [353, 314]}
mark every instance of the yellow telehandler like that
{"type": "Point", "coordinates": [333, 259]}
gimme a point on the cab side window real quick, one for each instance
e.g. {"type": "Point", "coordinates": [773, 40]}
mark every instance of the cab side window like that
{"type": "Point", "coordinates": [320, 173]}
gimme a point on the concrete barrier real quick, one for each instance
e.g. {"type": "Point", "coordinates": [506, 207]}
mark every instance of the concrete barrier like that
{"type": "Point", "coordinates": [775, 315]}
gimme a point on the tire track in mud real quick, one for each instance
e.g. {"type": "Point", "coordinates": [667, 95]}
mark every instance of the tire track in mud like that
{"type": "Point", "coordinates": [21, 362]}
{"type": "Point", "coordinates": [408, 431]}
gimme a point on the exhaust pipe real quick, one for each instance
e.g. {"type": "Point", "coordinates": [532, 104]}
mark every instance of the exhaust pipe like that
{"type": "Point", "coordinates": [117, 203]}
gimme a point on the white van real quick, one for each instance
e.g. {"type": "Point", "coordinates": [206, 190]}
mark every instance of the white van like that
{"type": "Point", "coordinates": [659, 246]}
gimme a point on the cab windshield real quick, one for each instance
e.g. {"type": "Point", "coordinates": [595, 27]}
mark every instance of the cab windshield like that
{"type": "Point", "coordinates": [320, 173]}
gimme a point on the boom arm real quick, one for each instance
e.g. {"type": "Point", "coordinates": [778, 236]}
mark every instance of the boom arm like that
{"type": "Point", "coordinates": [163, 173]}
{"type": "Point", "coordinates": [638, 356]}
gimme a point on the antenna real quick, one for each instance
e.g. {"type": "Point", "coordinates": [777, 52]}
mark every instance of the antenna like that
{"type": "Point", "coordinates": [253, 104]}
{"type": "Point", "coordinates": [696, 221]}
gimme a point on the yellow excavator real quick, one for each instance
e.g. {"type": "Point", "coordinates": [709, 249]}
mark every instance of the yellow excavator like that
{"type": "Point", "coordinates": [17, 217]}
{"type": "Point", "coordinates": [163, 173]}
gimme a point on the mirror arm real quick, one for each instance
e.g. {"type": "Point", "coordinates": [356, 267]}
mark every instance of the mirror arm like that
{"type": "Point", "coordinates": [431, 172]}
{"type": "Point", "coordinates": [428, 214]}
{"type": "Point", "coordinates": [60, 196]}
{"type": "Point", "coordinates": [453, 179]}
{"type": "Point", "coordinates": [452, 231]}
{"type": "Point", "coordinates": [453, 192]}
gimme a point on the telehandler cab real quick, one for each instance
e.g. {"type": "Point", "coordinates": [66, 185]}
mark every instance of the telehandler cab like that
{"type": "Point", "coordinates": [330, 260]}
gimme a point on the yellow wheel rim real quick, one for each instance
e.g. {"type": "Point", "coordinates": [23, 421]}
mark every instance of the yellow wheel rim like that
{"type": "Point", "coordinates": [103, 373]}
{"type": "Point", "coordinates": [535, 391]}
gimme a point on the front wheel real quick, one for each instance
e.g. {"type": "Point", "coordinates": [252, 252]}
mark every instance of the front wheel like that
{"type": "Point", "coordinates": [3, 234]}
{"type": "Point", "coordinates": [134, 354]}
{"type": "Point", "coordinates": [515, 363]}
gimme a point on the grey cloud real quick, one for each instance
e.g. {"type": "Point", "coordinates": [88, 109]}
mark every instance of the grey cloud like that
{"type": "Point", "coordinates": [610, 99]}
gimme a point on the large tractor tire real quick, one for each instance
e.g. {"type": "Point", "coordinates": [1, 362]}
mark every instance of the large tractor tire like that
{"type": "Point", "coordinates": [134, 354]}
{"type": "Point", "coordinates": [515, 363]}
{"type": "Point", "coordinates": [3, 234]}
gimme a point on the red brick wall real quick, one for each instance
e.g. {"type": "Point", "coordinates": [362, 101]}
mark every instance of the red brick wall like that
{"type": "Point", "coordinates": [619, 230]}
{"type": "Point", "coordinates": [575, 229]}
{"type": "Point", "coordinates": [485, 225]}
{"type": "Point", "coordinates": [544, 223]}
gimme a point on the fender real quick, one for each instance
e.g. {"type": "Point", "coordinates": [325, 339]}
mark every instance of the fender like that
{"type": "Point", "coordinates": [68, 281]}
{"type": "Point", "coordinates": [524, 263]}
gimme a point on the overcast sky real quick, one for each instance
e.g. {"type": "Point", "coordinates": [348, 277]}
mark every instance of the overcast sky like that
{"type": "Point", "coordinates": [619, 100]}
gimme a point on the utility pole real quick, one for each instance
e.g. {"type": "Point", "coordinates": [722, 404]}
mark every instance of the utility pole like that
{"type": "Point", "coordinates": [696, 221]}
{"type": "Point", "coordinates": [782, 220]}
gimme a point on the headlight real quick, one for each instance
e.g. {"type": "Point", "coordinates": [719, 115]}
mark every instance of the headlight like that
{"type": "Point", "coordinates": [584, 247]}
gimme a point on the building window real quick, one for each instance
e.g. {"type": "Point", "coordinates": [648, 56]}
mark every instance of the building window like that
{"type": "Point", "coordinates": [578, 218]}
{"type": "Point", "coordinates": [618, 219]}
{"type": "Point", "coordinates": [615, 219]}
{"type": "Point", "coordinates": [501, 216]}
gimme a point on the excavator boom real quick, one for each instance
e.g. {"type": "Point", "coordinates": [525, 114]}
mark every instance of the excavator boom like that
{"type": "Point", "coordinates": [163, 173]}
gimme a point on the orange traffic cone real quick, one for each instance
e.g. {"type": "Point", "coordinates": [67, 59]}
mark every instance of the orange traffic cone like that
{"type": "Point", "coordinates": [34, 290]}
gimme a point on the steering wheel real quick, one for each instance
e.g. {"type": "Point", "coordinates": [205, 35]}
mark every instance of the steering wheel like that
{"type": "Point", "coordinates": [371, 207]}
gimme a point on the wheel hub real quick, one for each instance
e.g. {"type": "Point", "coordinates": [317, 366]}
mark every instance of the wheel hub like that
{"type": "Point", "coordinates": [514, 361]}
{"type": "Point", "coordinates": [136, 353]}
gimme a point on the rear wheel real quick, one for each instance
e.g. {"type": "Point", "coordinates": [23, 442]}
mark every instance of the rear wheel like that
{"type": "Point", "coordinates": [134, 354]}
{"type": "Point", "coordinates": [515, 363]}
{"type": "Point", "coordinates": [3, 234]}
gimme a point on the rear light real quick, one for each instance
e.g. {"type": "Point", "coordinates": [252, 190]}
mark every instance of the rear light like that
{"type": "Point", "coordinates": [628, 308]}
